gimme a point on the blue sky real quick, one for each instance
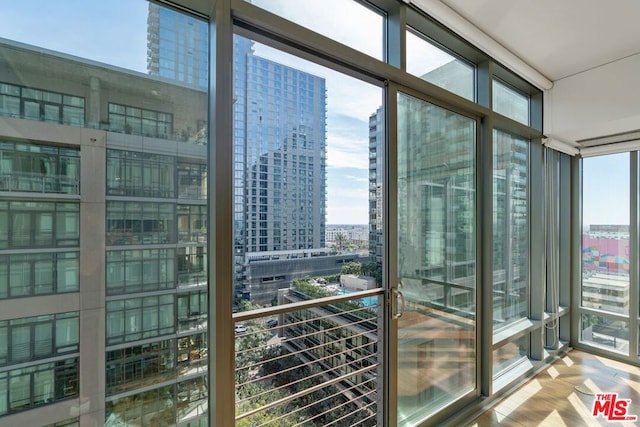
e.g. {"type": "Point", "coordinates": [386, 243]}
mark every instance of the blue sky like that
{"type": "Point", "coordinates": [113, 31]}
{"type": "Point", "coordinates": [606, 189]}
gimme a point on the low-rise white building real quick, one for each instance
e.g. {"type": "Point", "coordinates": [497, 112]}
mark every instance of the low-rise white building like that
{"type": "Point", "coordinates": [356, 282]}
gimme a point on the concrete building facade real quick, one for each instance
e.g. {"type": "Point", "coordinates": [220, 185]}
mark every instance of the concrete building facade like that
{"type": "Point", "coordinates": [119, 313]}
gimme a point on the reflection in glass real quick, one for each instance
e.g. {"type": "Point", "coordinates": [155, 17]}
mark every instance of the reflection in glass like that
{"type": "Point", "coordinates": [605, 332]}
{"type": "Point", "coordinates": [510, 354]}
{"type": "Point", "coordinates": [293, 191]}
{"type": "Point", "coordinates": [38, 274]}
{"type": "Point", "coordinates": [510, 229]}
{"type": "Point", "coordinates": [39, 168]}
{"type": "Point", "coordinates": [138, 366]}
{"type": "Point", "coordinates": [136, 82]}
{"type": "Point", "coordinates": [436, 257]}
{"type": "Point", "coordinates": [433, 64]}
{"type": "Point", "coordinates": [36, 385]}
{"type": "Point", "coordinates": [510, 102]}
{"type": "Point", "coordinates": [333, 19]}
{"type": "Point", "coordinates": [308, 162]}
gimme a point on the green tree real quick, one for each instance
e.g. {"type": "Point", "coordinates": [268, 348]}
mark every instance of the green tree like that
{"type": "Point", "coordinates": [352, 268]}
{"type": "Point", "coordinates": [246, 305]}
{"type": "Point", "coordinates": [374, 269]}
{"type": "Point", "coordinates": [340, 240]}
{"type": "Point", "coordinates": [312, 291]}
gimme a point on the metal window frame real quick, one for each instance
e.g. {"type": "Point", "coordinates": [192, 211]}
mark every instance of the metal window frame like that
{"type": "Point", "coordinates": [222, 16]}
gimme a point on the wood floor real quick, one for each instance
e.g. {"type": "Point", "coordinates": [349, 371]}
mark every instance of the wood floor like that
{"type": "Point", "coordinates": [563, 394]}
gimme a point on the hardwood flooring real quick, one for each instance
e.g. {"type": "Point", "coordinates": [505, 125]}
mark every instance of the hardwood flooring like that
{"type": "Point", "coordinates": [564, 394]}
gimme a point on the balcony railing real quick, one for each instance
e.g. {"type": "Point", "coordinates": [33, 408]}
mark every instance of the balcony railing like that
{"type": "Point", "coordinates": [310, 362]}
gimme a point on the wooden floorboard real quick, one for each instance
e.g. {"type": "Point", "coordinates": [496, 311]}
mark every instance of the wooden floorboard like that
{"type": "Point", "coordinates": [563, 394]}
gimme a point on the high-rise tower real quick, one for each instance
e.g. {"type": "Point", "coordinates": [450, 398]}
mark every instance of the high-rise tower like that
{"type": "Point", "coordinates": [279, 139]}
{"type": "Point", "coordinates": [177, 46]}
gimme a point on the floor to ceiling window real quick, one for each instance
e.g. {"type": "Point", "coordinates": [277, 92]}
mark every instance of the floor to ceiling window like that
{"type": "Point", "coordinates": [359, 250]}
{"type": "Point", "coordinates": [511, 251]}
{"type": "Point", "coordinates": [103, 228]}
{"type": "Point", "coordinates": [605, 301]}
{"type": "Point", "coordinates": [436, 258]}
{"type": "Point", "coordinates": [308, 172]}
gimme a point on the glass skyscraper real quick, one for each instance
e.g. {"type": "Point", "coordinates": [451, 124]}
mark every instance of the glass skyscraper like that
{"type": "Point", "coordinates": [177, 46]}
{"type": "Point", "coordinates": [279, 139]}
{"type": "Point", "coordinates": [280, 145]}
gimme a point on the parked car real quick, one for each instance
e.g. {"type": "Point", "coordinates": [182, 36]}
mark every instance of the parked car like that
{"type": "Point", "coordinates": [272, 323]}
{"type": "Point", "coordinates": [240, 328]}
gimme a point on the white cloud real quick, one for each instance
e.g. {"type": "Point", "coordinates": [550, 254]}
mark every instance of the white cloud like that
{"type": "Point", "coordinates": [340, 20]}
{"type": "Point", "coordinates": [346, 153]}
{"type": "Point", "coordinates": [357, 178]}
{"type": "Point", "coordinates": [347, 214]}
{"type": "Point", "coordinates": [348, 208]}
{"type": "Point", "coordinates": [348, 197]}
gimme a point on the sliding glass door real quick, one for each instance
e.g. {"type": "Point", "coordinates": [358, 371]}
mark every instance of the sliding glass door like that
{"type": "Point", "coordinates": [434, 320]}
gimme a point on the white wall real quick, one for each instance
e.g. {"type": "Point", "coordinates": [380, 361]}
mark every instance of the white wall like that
{"type": "Point", "coordinates": [598, 102]}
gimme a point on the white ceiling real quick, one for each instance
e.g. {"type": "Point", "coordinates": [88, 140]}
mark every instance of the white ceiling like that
{"type": "Point", "coordinates": [585, 54]}
{"type": "Point", "coordinates": [558, 38]}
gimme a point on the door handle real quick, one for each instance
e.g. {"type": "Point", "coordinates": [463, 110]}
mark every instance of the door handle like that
{"type": "Point", "coordinates": [398, 295]}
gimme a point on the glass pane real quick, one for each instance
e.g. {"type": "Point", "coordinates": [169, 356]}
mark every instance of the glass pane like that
{"type": "Point", "coordinates": [42, 387]}
{"type": "Point", "coordinates": [300, 192]}
{"type": "Point", "coordinates": [21, 343]}
{"type": "Point", "coordinates": [115, 325]}
{"type": "Point", "coordinates": [9, 106]}
{"type": "Point", "coordinates": [4, 277]}
{"type": "Point", "coordinates": [510, 354]}
{"type": "Point", "coordinates": [43, 276]}
{"type": "Point", "coordinates": [20, 278]}
{"type": "Point", "coordinates": [67, 332]}
{"type": "Point", "coordinates": [433, 64]}
{"type": "Point", "coordinates": [111, 78]}
{"type": "Point", "coordinates": [20, 390]}
{"type": "Point", "coordinates": [43, 342]}
{"type": "Point", "coordinates": [510, 229]}
{"type": "Point", "coordinates": [308, 166]}
{"type": "Point", "coordinates": [43, 229]}
{"type": "Point", "coordinates": [605, 235]}
{"type": "Point", "coordinates": [51, 113]}
{"type": "Point", "coordinates": [321, 17]}
{"type": "Point", "coordinates": [4, 393]}
{"type": "Point", "coordinates": [31, 110]}
{"type": "Point", "coordinates": [4, 226]}
{"type": "Point", "coordinates": [511, 103]}
{"type": "Point", "coordinates": [68, 272]}
{"type": "Point", "coordinates": [605, 332]}
{"type": "Point", "coordinates": [436, 258]}
{"type": "Point", "coordinates": [21, 229]}
{"type": "Point", "coordinates": [4, 344]}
